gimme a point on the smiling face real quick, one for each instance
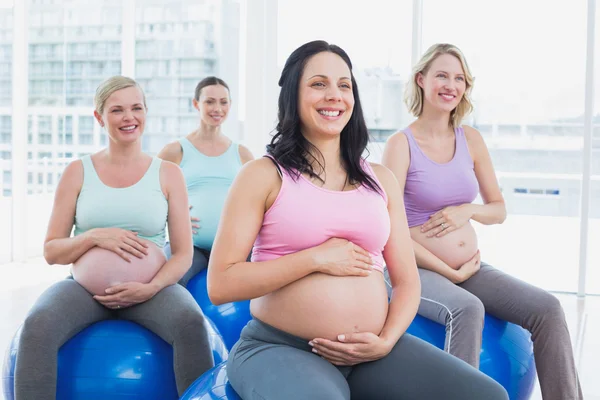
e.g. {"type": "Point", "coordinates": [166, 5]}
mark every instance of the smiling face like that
{"type": "Point", "coordinates": [325, 97]}
{"type": "Point", "coordinates": [443, 84]}
{"type": "Point", "coordinates": [124, 115]}
{"type": "Point", "coordinates": [213, 104]}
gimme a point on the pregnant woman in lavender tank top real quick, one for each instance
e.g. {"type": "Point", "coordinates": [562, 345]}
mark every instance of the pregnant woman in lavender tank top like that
{"type": "Point", "coordinates": [442, 166]}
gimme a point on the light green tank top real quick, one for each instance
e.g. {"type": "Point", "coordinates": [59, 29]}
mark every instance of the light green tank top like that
{"type": "Point", "coordinates": [208, 180]}
{"type": "Point", "coordinates": [141, 207]}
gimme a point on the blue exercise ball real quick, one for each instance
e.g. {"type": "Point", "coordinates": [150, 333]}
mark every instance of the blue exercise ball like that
{"type": "Point", "coordinates": [229, 318]}
{"type": "Point", "coordinates": [212, 385]}
{"type": "Point", "coordinates": [506, 352]}
{"type": "Point", "coordinates": [113, 359]}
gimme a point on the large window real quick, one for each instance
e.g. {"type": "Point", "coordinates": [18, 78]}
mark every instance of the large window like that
{"type": "Point", "coordinates": [593, 255]}
{"type": "Point", "coordinates": [6, 37]}
{"type": "Point", "coordinates": [529, 102]}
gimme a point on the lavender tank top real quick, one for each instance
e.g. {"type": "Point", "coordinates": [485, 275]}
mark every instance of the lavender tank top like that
{"type": "Point", "coordinates": [431, 186]}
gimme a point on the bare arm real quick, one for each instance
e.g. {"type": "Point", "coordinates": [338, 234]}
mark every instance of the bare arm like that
{"type": "Point", "coordinates": [230, 277]}
{"type": "Point", "coordinates": [59, 247]}
{"type": "Point", "coordinates": [171, 152]}
{"type": "Point", "coordinates": [180, 229]}
{"type": "Point", "coordinates": [400, 261]}
{"type": "Point", "coordinates": [493, 211]}
{"type": "Point", "coordinates": [245, 154]}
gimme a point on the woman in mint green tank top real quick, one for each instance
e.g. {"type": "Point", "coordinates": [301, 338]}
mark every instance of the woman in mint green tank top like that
{"type": "Point", "coordinates": [209, 161]}
{"type": "Point", "coordinates": [119, 200]}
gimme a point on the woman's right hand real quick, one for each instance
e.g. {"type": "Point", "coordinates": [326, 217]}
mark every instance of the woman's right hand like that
{"type": "Point", "coordinates": [340, 257]}
{"type": "Point", "coordinates": [194, 224]}
{"type": "Point", "coordinates": [468, 269]}
{"type": "Point", "coordinates": [120, 241]}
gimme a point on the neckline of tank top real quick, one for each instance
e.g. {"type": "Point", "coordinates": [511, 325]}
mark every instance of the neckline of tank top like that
{"type": "Point", "coordinates": [452, 160]}
{"type": "Point", "coordinates": [204, 155]}
{"type": "Point", "coordinates": [126, 187]}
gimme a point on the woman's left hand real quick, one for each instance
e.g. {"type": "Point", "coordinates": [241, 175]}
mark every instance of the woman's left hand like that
{"type": "Point", "coordinates": [351, 348]}
{"type": "Point", "coordinates": [126, 295]}
{"type": "Point", "coordinates": [447, 220]}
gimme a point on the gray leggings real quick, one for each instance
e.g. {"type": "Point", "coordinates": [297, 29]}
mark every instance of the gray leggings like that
{"type": "Point", "coordinates": [461, 309]}
{"type": "Point", "coordinates": [199, 263]}
{"type": "Point", "coordinates": [269, 364]}
{"type": "Point", "coordinates": [66, 308]}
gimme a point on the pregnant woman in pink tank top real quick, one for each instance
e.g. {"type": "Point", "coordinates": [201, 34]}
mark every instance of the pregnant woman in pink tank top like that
{"type": "Point", "coordinates": [323, 222]}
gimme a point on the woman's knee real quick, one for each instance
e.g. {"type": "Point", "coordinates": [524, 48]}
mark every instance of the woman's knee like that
{"type": "Point", "coordinates": [548, 307]}
{"type": "Point", "coordinates": [470, 308]}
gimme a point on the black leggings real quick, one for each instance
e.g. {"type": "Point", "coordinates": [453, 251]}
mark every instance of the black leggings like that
{"type": "Point", "coordinates": [267, 363]}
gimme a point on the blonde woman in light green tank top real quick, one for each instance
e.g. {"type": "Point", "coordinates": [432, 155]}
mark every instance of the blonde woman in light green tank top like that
{"type": "Point", "coordinates": [120, 200]}
{"type": "Point", "coordinates": [209, 161]}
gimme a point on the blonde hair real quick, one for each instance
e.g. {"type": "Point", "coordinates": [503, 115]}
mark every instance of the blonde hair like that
{"type": "Point", "coordinates": [110, 86]}
{"type": "Point", "coordinates": [414, 93]}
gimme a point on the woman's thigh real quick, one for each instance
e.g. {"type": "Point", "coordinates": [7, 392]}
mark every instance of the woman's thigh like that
{"type": "Point", "coordinates": [416, 370]}
{"type": "Point", "coordinates": [259, 370]}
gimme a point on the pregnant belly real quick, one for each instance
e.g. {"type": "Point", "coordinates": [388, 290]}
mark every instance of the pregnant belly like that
{"type": "Point", "coordinates": [325, 306]}
{"type": "Point", "coordinates": [99, 269]}
{"type": "Point", "coordinates": [455, 248]}
{"type": "Point", "coordinates": [207, 207]}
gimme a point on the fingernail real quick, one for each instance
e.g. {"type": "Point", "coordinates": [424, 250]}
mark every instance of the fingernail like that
{"type": "Point", "coordinates": [315, 351]}
{"type": "Point", "coordinates": [311, 343]}
{"type": "Point", "coordinates": [315, 342]}
{"type": "Point", "coordinates": [341, 338]}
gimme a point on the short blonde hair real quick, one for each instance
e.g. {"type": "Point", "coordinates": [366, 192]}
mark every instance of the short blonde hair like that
{"type": "Point", "coordinates": [414, 93]}
{"type": "Point", "coordinates": [110, 86]}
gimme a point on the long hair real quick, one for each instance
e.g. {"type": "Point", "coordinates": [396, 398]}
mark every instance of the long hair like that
{"type": "Point", "coordinates": [414, 96]}
{"type": "Point", "coordinates": [291, 149]}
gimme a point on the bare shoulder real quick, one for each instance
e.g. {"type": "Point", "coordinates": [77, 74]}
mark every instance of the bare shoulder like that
{"type": "Point", "coordinates": [72, 176]}
{"type": "Point", "coordinates": [475, 141]}
{"type": "Point", "coordinates": [170, 169]}
{"type": "Point", "coordinates": [385, 176]}
{"type": "Point", "coordinates": [171, 152]}
{"type": "Point", "coordinates": [260, 170]}
{"type": "Point", "coordinates": [473, 135]}
{"type": "Point", "coordinates": [398, 141]}
{"type": "Point", "coordinates": [245, 154]}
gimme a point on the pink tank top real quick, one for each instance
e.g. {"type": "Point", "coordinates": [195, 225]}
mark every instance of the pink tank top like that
{"type": "Point", "coordinates": [305, 215]}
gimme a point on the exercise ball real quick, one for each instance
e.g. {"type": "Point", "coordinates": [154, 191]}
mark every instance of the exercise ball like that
{"type": "Point", "coordinates": [212, 385]}
{"type": "Point", "coordinates": [113, 359]}
{"type": "Point", "coordinates": [229, 318]}
{"type": "Point", "coordinates": [506, 352]}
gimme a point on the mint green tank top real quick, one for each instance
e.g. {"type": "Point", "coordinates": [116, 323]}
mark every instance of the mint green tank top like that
{"type": "Point", "coordinates": [141, 207]}
{"type": "Point", "coordinates": [208, 180]}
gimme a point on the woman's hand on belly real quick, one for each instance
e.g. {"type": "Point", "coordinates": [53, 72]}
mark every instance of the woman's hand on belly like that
{"type": "Point", "coordinates": [352, 348]}
{"type": "Point", "coordinates": [120, 241]}
{"type": "Point", "coordinates": [469, 268]}
{"type": "Point", "coordinates": [447, 220]}
{"type": "Point", "coordinates": [127, 294]}
{"type": "Point", "coordinates": [195, 223]}
{"type": "Point", "coordinates": [339, 257]}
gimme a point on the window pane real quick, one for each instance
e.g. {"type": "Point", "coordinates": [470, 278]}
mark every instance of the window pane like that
{"type": "Point", "coordinates": [528, 97]}
{"type": "Point", "coordinates": [6, 38]}
{"type": "Point", "coordinates": [72, 48]}
{"type": "Point", "coordinates": [178, 43]}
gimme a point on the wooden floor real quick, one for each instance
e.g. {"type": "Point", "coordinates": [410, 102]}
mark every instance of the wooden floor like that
{"type": "Point", "coordinates": [22, 283]}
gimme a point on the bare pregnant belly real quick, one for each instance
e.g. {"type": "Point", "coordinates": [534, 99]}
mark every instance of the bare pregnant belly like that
{"type": "Point", "coordinates": [99, 269]}
{"type": "Point", "coordinates": [325, 306]}
{"type": "Point", "coordinates": [454, 248]}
